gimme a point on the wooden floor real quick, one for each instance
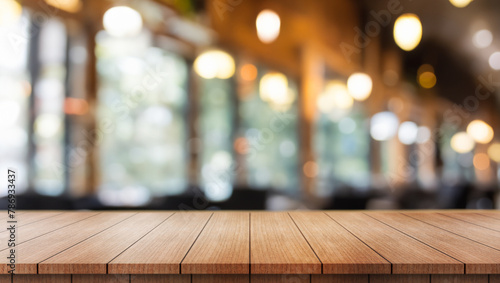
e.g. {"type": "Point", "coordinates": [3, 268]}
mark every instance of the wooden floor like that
{"type": "Point", "coordinates": [298, 246]}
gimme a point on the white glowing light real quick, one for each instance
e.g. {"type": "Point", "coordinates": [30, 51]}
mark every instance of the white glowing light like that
{"type": "Point", "coordinates": [423, 134]}
{"type": "Point", "coordinates": [480, 131]}
{"type": "Point", "coordinates": [336, 96]}
{"type": "Point", "coordinates": [214, 64]}
{"type": "Point", "coordinates": [10, 12]}
{"type": "Point", "coordinates": [384, 126]}
{"type": "Point", "coordinates": [407, 31]}
{"type": "Point", "coordinates": [360, 86]}
{"type": "Point", "coordinates": [461, 142]}
{"type": "Point", "coordinates": [482, 38]}
{"type": "Point", "coordinates": [47, 125]}
{"type": "Point", "coordinates": [460, 3]}
{"type": "Point", "coordinates": [268, 25]}
{"type": "Point", "coordinates": [274, 89]}
{"type": "Point", "coordinates": [122, 21]}
{"type": "Point", "coordinates": [9, 113]}
{"type": "Point", "coordinates": [408, 132]}
{"type": "Point", "coordinates": [494, 61]}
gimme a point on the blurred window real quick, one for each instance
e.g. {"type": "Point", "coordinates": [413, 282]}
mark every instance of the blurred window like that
{"type": "Point", "coordinates": [141, 120]}
{"type": "Point", "coordinates": [215, 129]}
{"type": "Point", "coordinates": [268, 130]}
{"type": "Point", "coordinates": [15, 94]}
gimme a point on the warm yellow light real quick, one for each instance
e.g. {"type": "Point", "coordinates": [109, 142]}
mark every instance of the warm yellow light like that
{"type": "Point", "coordinates": [71, 6]}
{"type": "Point", "coordinates": [214, 64]}
{"type": "Point", "coordinates": [310, 169]}
{"type": "Point", "coordinates": [480, 131]}
{"type": "Point", "coordinates": [360, 86]}
{"type": "Point", "coordinates": [248, 72]}
{"type": "Point", "coordinates": [407, 31]}
{"type": "Point", "coordinates": [494, 152]}
{"type": "Point", "coordinates": [481, 161]}
{"type": "Point", "coordinates": [335, 96]}
{"type": "Point", "coordinates": [268, 25]}
{"type": "Point", "coordinates": [122, 21]}
{"type": "Point", "coordinates": [460, 3]}
{"type": "Point", "coordinates": [10, 12]}
{"type": "Point", "coordinates": [461, 142]}
{"type": "Point", "coordinates": [274, 89]}
{"type": "Point", "coordinates": [427, 80]}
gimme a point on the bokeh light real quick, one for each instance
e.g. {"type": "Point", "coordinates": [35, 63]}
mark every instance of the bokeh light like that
{"type": "Point", "coordinates": [481, 161]}
{"type": "Point", "coordinates": [384, 126]}
{"type": "Point", "coordinates": [480, 131]}
{"type": "Point", "coordinates": [407, 132]}
{"type": "Point", "coordinates": [214, 64]}
{"type": "Point", "coordinates": [461, 142]}
{"type": "Point", "coordinates": [122, 21]}
{"type": "Point", "coordinates": [407, 31]}
{"type": "Point", "coordinates": [268, 25]}
{"type": "Point", "coordinates": [360, 86]}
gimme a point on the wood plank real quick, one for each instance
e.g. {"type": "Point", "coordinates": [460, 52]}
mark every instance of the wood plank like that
{"type": "Point", "coordinates": [157, 278]}
{"type": "Point", "coordinates": [400, 278]}
{"type": "Point", "coordinates": [407, 255]}
{"type": "Point", "coordinates": [280, 278]}
{"type": "Point", "coordinates": [26, 218]}
{"type": "Point", "coordinates": [162, 250]}
{"type": "Point", "coordinates": [5, 278]}
{"type": "Point", "coordinates": [22, 278]}
{"type": "Point", "coordinates": [342, 278]}
{"type": "Point", "coordinates": [92, 255]}
{"type": "Point", "coordinates": [41, 227]}
{"type": "Point", "coordinates": [228, 278]}
{"type": "Point", "coordinates": [338, 250]}
{"type": "Point", "coordinates": [490, 213]}
{"type": "Point", "coordinates": [30, 253]}
{"type": "Point", "coordinates": [278, 247]}
{"type": "Point", "coordinates": [222, 248]}
{"type": "Point", "coordinates": [459, 278]}
{"type": "Point", "coordinates": [494, 279]}
{"type": "Point", "coordinates": [97, 278]}
{"type": "Point", "coordinates": [476, 233]}
{"type": "Point", "coordinates": [478, 259]}
{"type": "Point", "coordinates": [476, 219]}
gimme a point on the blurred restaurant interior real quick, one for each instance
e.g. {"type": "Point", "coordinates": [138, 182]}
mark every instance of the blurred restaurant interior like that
{"type": "Point", "coordinates": [240, 104]}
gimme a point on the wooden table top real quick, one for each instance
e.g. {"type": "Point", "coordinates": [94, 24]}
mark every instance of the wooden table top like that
{"type": "Point", "coordinates": [295, 242]}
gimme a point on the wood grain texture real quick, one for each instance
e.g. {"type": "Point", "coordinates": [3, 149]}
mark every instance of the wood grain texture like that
{"type": "Point", "coordinates": [32, 252]}
{"type": "Point", "coordinates": [478, 259]}
{"type": "Point", "coordinates": [97, 278]}
{"type": "Point", "coordinates": [280, 278]}
{"type": "Point", "coordinates": [407, 255]}
{"type": "Point", "coordinates": [222, 248]}
{"type": "Point", "coordinates": [5, 278]}
{"type": "Point", "coordinates": [157, 278]}
{"type": "Point", "coordinates": [494, 279]}
{"type": "Point", "coordinates": [459, 278]}
{"type": "Point", "coordinates": [227, 278]}
{"type": "Point", "coordinates": [338, 250]}
{"type": "Point", "coordinates": [477, 219]}
{"type": "Point", "coordinates": [92, 255]}
{"type": "Point", "coordinates": [22, 278]}
{"type": "Point", "coordinates": [163, 249]}
{"type": "Point", "coordinates": [30, 217]}
{"type": "Point", "coordinates": [42, 226]}
{"type": "Point", "coordinates": [339, 278]}
{"type": "Point", "coordinates": [476, 233]}
{"type": "Point", "coordinates": [490, 213]}
{"type": "Point", "coordinates": [400, 278]}
{"type": "Point", "coordinates": [278, 247]}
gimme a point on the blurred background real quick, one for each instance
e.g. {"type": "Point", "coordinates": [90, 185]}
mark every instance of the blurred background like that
{"type": "Point", "coordinates": [262, 104]}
